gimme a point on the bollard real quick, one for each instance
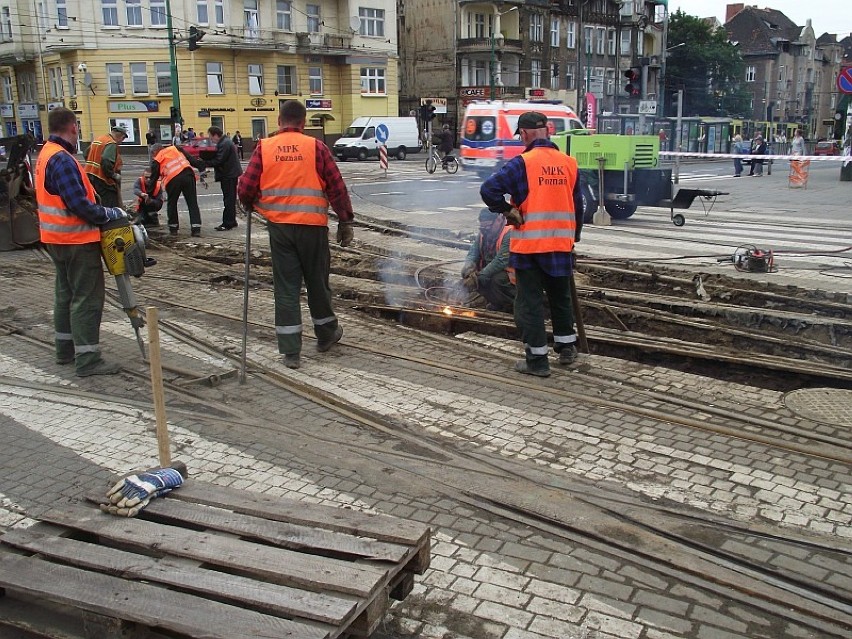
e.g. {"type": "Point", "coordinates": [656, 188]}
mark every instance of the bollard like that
{"type": "Point", "coordinates": [383, 159]}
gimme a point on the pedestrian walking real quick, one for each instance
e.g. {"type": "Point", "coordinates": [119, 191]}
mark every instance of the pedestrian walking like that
{"type": "Point", "coordinates": [544, 197]}
{"type": "Point", "coordinates": [738, 148]}
{"type": "Point", "coordinates": [226, 171]}
{"type": "Point", "coordinates": [103, 166]}
{"type": "Point", "coordinates": [174, 167]}
{"type": "Point", "coordinates": [69, 217]}
{"type": "Point", "coordinates": [290, 180]}
{"type": "Point", "coordinates": [758, 150]}
{"type": "Point", "coordinates": [663, 139]}
{"type": "Point", "coordinates": [486, 268]}
{"type": "Point", "coordinates": [150, 140]}
{"type": "Point", "coordinates": [238, 142]}
{"type": "Point", "coordinates": [797, 146]}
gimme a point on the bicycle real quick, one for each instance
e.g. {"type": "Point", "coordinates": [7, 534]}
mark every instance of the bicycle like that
{"type": "Point", "coordinates": [449, 163]}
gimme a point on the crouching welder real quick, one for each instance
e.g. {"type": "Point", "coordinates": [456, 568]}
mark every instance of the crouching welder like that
{"type": "Point", "coordinates": [70, 221]}
{"type": "Point", "coordinates": [486, 269]}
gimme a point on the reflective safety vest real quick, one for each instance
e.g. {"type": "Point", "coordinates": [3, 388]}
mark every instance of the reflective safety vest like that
{"type": "Point", "coordinates": [548, 211]}
{"type": "Point", "coordinates": [58, 225]}
{"type": "Point", "coordinates": [291, 191]}
{"type": "Point", "coordinates": [510, 271]}
{"type": "Point", "coordinates": [172, 163]}
{"type": "Point", "coordinates": [96, 152]}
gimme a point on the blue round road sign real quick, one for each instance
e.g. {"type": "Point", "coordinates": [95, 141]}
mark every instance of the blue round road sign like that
{"type": "Point", "coordinates": [382, 133]}
{"type": "Point", "coordinates": [844, 80]}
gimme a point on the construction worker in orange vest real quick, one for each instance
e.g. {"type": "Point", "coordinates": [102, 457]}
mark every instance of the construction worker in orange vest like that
{"type": "Point", "coordinates": [290, 180]}
{"type": "Point", "coordinates": [486, 268]}
{"type": "Point", "coordinates": [69, 220]}
{"type": "Point", "coordinates": [103, 166]}
{"type": "Point", "coordinates": [544, 195]}
{"type": "Point", "coordinates": [174, 167]}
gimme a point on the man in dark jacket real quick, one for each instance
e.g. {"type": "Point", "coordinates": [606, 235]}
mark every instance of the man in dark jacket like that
{"type": "Point", "coordinates": [227, 170]}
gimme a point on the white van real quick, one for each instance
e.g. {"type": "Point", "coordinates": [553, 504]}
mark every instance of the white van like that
{"type": "Point", "coordinates": [359, 140]}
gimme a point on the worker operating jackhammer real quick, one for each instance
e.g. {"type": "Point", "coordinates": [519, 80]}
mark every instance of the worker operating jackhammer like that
{"type": "Point", "coordinates": [70, 221]}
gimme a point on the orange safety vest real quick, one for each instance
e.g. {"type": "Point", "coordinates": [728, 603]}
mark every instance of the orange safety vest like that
{"type": "Point", "coordinates": [549, 221]}
{"type": "Point", "coordinates": [291, 191]}
{"type": "Point", "coordinates": [172, 162]}
{"type": "Point", "coordinates": [58, 225]}
{"type": "Point", "coordinates": [96, 152]}
{"type": "Point", "coordinates": [143, 181]}
{"type": "Point", "coordinates": [510, 271]}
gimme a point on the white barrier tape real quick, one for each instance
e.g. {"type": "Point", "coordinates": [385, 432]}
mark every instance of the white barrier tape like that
{"type": "Point", "coordinates": [746, 156]}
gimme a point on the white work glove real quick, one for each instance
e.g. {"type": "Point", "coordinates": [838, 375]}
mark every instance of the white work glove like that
{"type": "Point", "coordinates": [114, 213]}
{"type": "Point", "coordinates": [513, 216]}
{"type": "Point", "coordinates": [131, 494]}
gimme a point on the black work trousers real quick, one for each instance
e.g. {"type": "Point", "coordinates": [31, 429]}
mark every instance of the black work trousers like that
{"type": "Point", "coordinates": [183, 184]}
{"type": "Point", "coordinates": [229, 200]}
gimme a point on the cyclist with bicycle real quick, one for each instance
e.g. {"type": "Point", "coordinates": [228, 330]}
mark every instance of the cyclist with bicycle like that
{"type": "Point", "coordinates": [446, 142]}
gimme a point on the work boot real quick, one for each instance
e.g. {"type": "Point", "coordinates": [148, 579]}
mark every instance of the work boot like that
{"type": "Point", "coordinates": [292, 360]}
{"type": "Point", "coordinates": [322, 347]}
{"type": "Point", "coordinates": [523, 366]}
{"type": "Point", "coordinates": [99, 368]}
{"type": "Point", "coordinates": [568, 355]}
{"type": "Point", "coordinates": [196, 233]}
{"type": "Point", "coordinates": [64, 359]}
{"type": "Point", "coordinates": [173, 230]}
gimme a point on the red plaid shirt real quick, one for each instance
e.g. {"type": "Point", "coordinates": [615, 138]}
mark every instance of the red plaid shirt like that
{"type": "Point", "coordinates": [248, 188]}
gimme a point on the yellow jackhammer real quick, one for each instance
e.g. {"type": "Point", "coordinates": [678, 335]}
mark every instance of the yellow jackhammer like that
{"type": "Point", "coordinates": [123, 250]}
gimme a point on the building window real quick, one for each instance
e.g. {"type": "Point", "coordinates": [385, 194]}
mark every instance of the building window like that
{"type": "Point", "coordinates": [72, 80]}
{"type": "Point", "coordinates": [372, 22]}
{"type": "Point", "coordinates": [286, 79]}
{"type": "Point", "coordinates": [535, 74]}
{"type": "Point", "coordinates": [219, 8]}
{"type": "Point", "coordinates": [255, 79]}
{"type": "Point", "coordinates": [7, 89]}
{"type": "Point", "coordinates": [252, 19]}
{"type": "Point", "coordinates": [134, 12]}
{"type": "Point", "coordinates": [751, 72]}
{"type": "Point", "coordinates": [283, 15]}
{"type": "Point", "coordinates": [62, 14]}
{"type": "Point", "coordinates": [569, 81]}
{"type": "Point", "coordinates": [476, 26]}
{"type": "Point", "coordinates": [601, 41]}
{"type": "Point", "coordinates": [202, 10]}
{"type": "Point", "coordinates": [480, 77]}
{"type": "Point", "coordinates": [589, 36]}
{"type": "Point", "coordinates": [610, 39]}
{"type": "Point", "coordinates": [158, 13]}
{"type": "Point", "coordinates": [115, 78]}
{"type": "Point", "coordinates": [373, 81]}
{"type": "Point", "coordinates": [110, 12]}
{"type": "Point", "coordinates": [55, 74]}
{"type": "Point", "coordinates": [27, 90]}
{"type": "Point", "coordinates": [554, 76]}
{"type": "Point", "coordinates": [6, 25]}
{"type": "Point", "coordinates": [163, 72]}
{"type": "Point", "coordinates": [41, 15]}
{"type": "Point", "coordinates": [315, 80]}
{"type": "Point", "coordinates": [625, 42]}
{"type": "Point", "coordinates": [571, 35]}
{"type": "Point", "coordinates": [313, 13]}
{"type": "Point", "coordinates": [536, 27]}
{"type": "Point", "coordinates": [215, 79]}
{"type": "Point", "coordinates": [554, 32]}
{"type": "Point", "coordinates": [139, 78]}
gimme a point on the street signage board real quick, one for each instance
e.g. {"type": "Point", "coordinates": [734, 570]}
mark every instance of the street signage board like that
{"type": "Point", "coordinates": [382, 133]}
{"type": "Point", "coordinates": [440, 104]}
{"type": "Point", "coordinates": [647, 107]}
{"type": "Point", "coordinates": [844, 80]}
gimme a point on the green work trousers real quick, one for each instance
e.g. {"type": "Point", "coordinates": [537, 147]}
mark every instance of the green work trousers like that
{"type": "Point", "coordinates": [78, 303]}
{"type": "Point", "coordinates": [532, 285]}
{"type": "Point", "coordinates": [498, 291]}
{"type": "Point", "coordinates": [300, 253]}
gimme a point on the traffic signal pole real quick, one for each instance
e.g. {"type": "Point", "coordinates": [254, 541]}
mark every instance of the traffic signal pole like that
{"type": "Point", "coordinates": [177, 118]}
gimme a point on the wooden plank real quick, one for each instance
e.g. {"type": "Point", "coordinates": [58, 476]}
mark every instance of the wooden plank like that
{"type": "Point", "coordinates": [143, 603]}
{"type": "Point", "coordinates": [241, 591]}
{"type": "Point", "coordinates": [277, 565]}
{"type": "Point", "coordinates": [294, 537]}
{"type": "Point", "coordinates": [354, 522]}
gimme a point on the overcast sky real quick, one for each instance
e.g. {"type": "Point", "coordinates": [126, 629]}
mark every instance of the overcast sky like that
{"type": "Point", "coordinates": [832, 16]}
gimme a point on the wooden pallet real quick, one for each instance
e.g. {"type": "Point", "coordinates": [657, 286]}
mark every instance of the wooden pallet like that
{"type": "Point", "coordinates": [215, 562]}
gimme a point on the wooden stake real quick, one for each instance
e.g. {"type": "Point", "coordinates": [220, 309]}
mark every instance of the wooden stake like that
{"type": "Point", "coordinates": [152, 317]}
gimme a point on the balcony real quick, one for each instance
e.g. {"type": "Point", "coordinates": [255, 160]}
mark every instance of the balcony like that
{"type": "Point", "coordinates": [483, 45]}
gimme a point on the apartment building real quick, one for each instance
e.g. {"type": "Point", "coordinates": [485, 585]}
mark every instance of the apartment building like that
{"type": "Point", "coordinates": [575, 51]}
{"type": "Point", "coordinates": [110, 62]}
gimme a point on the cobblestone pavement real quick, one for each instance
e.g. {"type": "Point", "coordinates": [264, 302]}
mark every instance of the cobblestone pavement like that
{"type": "Point", "coordinates": [558, 510]}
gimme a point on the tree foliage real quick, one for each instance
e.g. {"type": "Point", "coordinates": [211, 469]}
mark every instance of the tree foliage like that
{"type": "Point", "coordinates": [706, 66]}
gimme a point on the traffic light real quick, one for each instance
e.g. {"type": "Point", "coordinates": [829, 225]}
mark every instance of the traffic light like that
{"type": "Point", "coordinates": [195, 36]}
{"type": "Point", "coordinates": [427, 112]}
{"type": "Point", "coordinates": [632, 88]}
{"type": "Point", "coordinates": [174, 114]}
